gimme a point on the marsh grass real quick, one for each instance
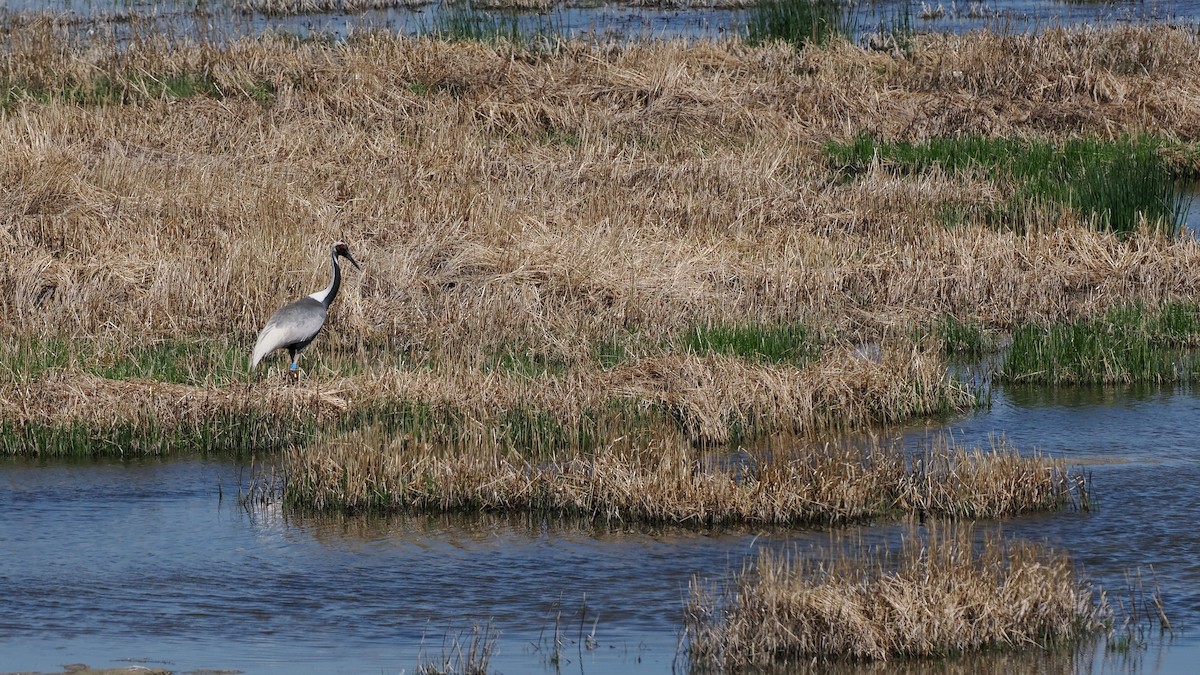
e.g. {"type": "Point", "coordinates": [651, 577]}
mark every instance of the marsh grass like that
{"type": "Point", "coordinates": [67, 411]}
{"type": "Point", "coordinates": [32, 356]}
{"type": "Point", "coordinates": [539, 229]}
{"type": "Point", "coordinates": [525, 360]}
{"type": "Point", "coordinates": [165, 388]}
{"type": "Point", "coordinates": [536, 433]}
{"type": "Point", "coordinates": [1117, 185]}
{"type": "Point", "coordinates": [967, 338]}
{"type": "Point", "coordinates": [178, 361]}
{"type": "Point", "coordinates": [221, 433]}
{"type": "Point", "coordinates": [941, 594]}
{"type": "Point", "coordinates": [1126, 344]}
{"type": "Point", "coordinates": [791, 343]}
{"type": "Point", "coordinates": [1140, 615]}
{"type": "Point", "coordinates": [608, 353]}
{"type": "Point", "coordinates": [296, 7]}
{"type": "Point", "coordinates": [467, 21]}
{"type": "Point", "coordinates": [665, 480]}
{"type": "Point", "coordinates": [798, 22]}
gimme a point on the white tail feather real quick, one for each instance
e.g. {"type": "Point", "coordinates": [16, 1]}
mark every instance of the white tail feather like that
{"type": "Point", "coordinates": [269, 340]}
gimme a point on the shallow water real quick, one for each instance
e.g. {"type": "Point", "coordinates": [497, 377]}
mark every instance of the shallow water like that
{"type": "Point", "coordinates": [109, 563]}
{"type": "Point", "coordinates": [1140, 445]}
{"type": "Point", "coordinates": [673, 18]}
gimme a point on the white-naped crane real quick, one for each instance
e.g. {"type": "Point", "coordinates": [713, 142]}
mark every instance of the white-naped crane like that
{"type": "Point", "coordinates": [295, 325]}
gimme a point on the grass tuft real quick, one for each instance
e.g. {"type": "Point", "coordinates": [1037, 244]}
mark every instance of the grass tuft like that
{"type": "Point", "coordinates": [460, 653]}
{"type": "Point", "coordinates": [1126, 344]}
{"type": "Point", "coordinates": [798, 22]}
{"type": "Point", "coordinates": [467, 22]}
{"type": "Point", "coordinates": [1115, 185]}
{"type": "Point", "coordinates": [968, 338]}
{"type": "Point", "coordinates": [940, 595]}
{"type": "Point", "coordinates": [784, 343]}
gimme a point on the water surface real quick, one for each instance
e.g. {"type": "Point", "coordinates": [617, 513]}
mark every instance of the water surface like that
{"type": "Point", "coordinates": [622, 20]}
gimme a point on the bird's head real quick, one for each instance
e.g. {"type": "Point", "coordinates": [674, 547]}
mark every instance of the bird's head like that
{"type": "Point", "coordinates": [340, 248]}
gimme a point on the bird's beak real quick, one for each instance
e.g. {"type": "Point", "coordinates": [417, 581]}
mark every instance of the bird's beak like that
{"type": "Point", "coordinates": [352, 261]}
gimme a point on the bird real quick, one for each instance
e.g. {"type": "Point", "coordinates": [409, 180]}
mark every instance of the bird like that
{"type": "Point", "coordinates": [293, 326]}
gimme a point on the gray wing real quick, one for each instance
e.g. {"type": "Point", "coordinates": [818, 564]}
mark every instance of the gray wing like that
{"type": "Point", "coordinates": [294, 324]}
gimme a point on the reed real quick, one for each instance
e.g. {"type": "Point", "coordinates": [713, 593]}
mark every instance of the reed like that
{"type": "Point", "coordinates": [798, 22]}
{"type": "Point", "coordinates": [941, 594]}
{"type": "Point", "coordinates": [1126, 344]}
{"type": "Point", "coordinates": [494, 23]}
{"type": "Point", "coordinates": [968, 338]}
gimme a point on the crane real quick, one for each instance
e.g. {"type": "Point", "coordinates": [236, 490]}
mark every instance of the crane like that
{"type": "Point", "coordinates": [295, 325]}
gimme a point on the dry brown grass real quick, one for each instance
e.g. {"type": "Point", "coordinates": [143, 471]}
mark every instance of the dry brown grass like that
{"type": "Point", "coordinates": [291, 7]}
{"type": "Point", "coordinates": [544, 203]}
{"type": "Point", "coordinates": [666, 480]}
{"type": "Point", "coordinates": [941, 594]}
{"type": "Point", "coordinates": [708, 398]}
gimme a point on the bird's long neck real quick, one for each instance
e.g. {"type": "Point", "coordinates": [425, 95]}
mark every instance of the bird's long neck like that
{"type": "Point", "coordinates": [326, 296]}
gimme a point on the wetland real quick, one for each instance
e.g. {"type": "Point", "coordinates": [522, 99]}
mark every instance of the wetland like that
{"type": "Point", "coordinates": [637, 319]}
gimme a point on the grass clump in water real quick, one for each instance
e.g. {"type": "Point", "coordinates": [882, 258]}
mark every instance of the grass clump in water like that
{"type": "Point", "coordinates": [798, 22]}
{"type": "Point", "coordinates": [461, 653]}
{"type": "Point", "coordinates": [661, 480]}
{"type": "Point", "coordinates": [1127, 344]}
{"type": "Point", "coordinates": [941, 594]}
{"type": "Point", "coordinates": [467, 22]}
{"type": "Point", "coordinates": [1115, 185]}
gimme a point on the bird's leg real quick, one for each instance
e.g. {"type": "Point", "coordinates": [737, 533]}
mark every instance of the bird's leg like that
{"type": "Point", "coordinates": [294, 369]}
